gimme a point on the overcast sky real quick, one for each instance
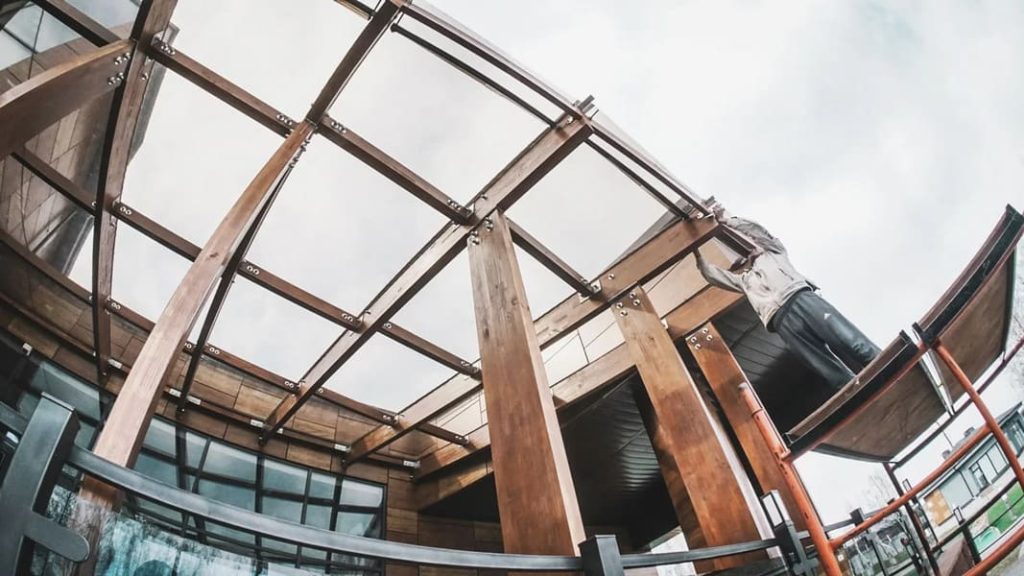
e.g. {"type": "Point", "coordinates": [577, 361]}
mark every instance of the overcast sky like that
{"type": "Point", "coordinates": [879, 141]}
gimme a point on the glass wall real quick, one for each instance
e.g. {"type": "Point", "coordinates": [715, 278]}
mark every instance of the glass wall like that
{"type": "Point", "coordinates": [214, 469]}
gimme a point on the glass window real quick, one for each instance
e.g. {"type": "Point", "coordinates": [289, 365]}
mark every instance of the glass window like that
{"type": "Point", "coordinates": [282, 477]}
{"type": "Point", "coordinates": [111, 13]}
{"type": "Point", "coordinates": [157, 468]}
{"type": "Point", "coordinates": [285, 509]}
{"type": "Point", "coordinates": [354, 493]}
{"type": "Point", "coordinates": [229, 462]}
{"type": "Point", "coordinates": [160, 438]}
{"type": "Point", "coordinates": [195, 448]}
{"type": "Point", "coordinates": [979, 476]}
{"type": "Point", "coordinates": [321, 486]}
{"type": "Point", "coordinates": [359, 524]}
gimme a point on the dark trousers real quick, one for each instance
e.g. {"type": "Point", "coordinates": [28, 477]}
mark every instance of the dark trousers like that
{"type": "Point", "coordinates": [823, 339]}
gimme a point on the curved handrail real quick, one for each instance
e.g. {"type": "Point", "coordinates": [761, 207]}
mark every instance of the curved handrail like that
{"type": "Point", "coordinates": [252, 522]}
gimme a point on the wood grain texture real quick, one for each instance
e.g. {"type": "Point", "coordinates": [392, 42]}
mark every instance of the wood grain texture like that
{"type": "Point", "coordinates": [725, 376]}
{"type": "Point", "coordinates": [129, 418]}
{"type": "Point", "coordinates": [692, 454]}
{"type": "Point", "coordinates": [536, 496]}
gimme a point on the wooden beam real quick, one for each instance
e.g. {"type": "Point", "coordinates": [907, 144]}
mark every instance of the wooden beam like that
{"type": "Point", "coordinates": [79, 21]}
{"type": "Point", "coordinates": [360, 49]}
{"type": "Point", "coordinates": [693, 455]}
{"type": "Point", "coordinates": [227, 280]}
{"type": "Point", "coordinates": [155, 231]}
{"type": "Point", "coordinates": [28, 108]}
{"type": "Point", "coordinates": [129, 418]}
{"type": "Point", "coordinates": [590, 379]}
{"type": "Point", "coordinates": [725, 376]}
{"type": "Point", "coordinates": [539, 158]}
{"type": "Point", "coordinates": [550, 260]}
{"type": "Point", "coordinates": [428, 349]}
{"type": "Point", "coordinates": [654, 256]}
{"type": "Point", "coordinates": [67, 187]}
{"type": "Point", "coordinates": [393, 170]}
{"type": "Point", "coordinates": [220, 87]}
{"type": "Point", "coordinates": [153, 17]}
{"type": "Point", "coordinates": [539, 511]}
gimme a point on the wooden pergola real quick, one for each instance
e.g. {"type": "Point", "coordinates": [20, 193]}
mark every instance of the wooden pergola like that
{"type": "Point", "coordinates": [539, 512]}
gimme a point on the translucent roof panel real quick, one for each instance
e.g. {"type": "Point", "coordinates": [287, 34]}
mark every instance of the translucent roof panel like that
{"type": "Point", "coordinates": [442, 312]}
{"type": "Point", "coordinates": [196, 158]}
{"type": "Point", "coordinates": [586, 211]}
{"type": "Point", "coordinates": [113, 14]}
{"type": "Point", "coordinates": [386, 374]}
{"type": "Point", "coordinates": [281, 52]}
{"type": "Point", "coordinates": [543, 289]}
{"type": "Point", "coordinates": [145, 273]}
{"type": "Point", "coordinates": [270, 331]}
{"type": "Point", "coordinates": [461, 57]}
{"type": "Point", "coordinates": [442, 124]}
{"type": "Point", "coordinates": [33, 41]}
{"type": "Point", "coordinates": [341, 230]}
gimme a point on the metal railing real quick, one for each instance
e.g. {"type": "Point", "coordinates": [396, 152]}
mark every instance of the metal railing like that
{"type": "Point", "coordinates": [46, 444]}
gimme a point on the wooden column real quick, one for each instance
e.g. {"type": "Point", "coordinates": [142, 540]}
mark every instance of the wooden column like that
{"type": "Point", "coordinates": [129, 418]}
{"type": "Point", "coordinates": [536, 496]}
{"type": "Point", "coordinates": [724, 375]}
{"type": "Point", "coordinates": [694, 456]}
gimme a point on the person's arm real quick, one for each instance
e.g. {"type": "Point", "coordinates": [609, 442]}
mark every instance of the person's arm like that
{"type": "Point", "coordinates": [717, 277]}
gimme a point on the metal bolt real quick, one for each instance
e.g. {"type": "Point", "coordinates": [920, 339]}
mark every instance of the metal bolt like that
{"type": "Point", "coordinates": [611, 276]}
{"type": "Point", "coordinates": [387, 325]}
{"type": "Point", "coordinates": [704, 331]}
{"type": "Point", "coordinates": [618, 304]}
{"type": "Point", "coordinates": [693, 339]}
{"type": "Point", "coordinates": [710, 338]}
{"type": "Point", "coordinates": [636, 302]}
{"type": "Point", "coordinates": [697, 346]}
{"type": "Point", "coordinates": [623, 313]}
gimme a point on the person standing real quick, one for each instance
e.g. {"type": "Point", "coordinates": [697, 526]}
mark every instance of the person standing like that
{"type": "Point", "coordinates": [789, 304]}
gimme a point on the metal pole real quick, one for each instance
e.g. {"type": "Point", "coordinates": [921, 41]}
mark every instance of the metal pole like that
{"type": "Point", "coordinates": [1011, 456]}
{"type": "Point", "coordinates": [826, 554]}
{"type": "Point", "coordinates": [914, 520]}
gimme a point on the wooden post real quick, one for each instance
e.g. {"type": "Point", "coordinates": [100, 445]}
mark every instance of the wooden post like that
{"type": "Point", "coordinates": [725, 376]}
{"type": "Point", "coordinates": [693, 455]}
{"type": "Point", "coordinates": [536, 496]}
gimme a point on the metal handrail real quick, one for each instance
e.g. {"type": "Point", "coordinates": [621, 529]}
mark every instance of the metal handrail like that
{"type": "Point", "coordinates": [252, 522]}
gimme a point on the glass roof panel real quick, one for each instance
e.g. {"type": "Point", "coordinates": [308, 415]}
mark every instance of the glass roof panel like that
{"type": "Point", "coordinates": [118, 15]}
{"type": "Point", "coordinates": [281, 52]}
{"type": "Point", "coordinates": [543, 289]}
{"type": "Point", "coordinates": [198, 154]}
{"type": "Point", "coordinates": [341, 230]}
{"type": "Point", "coordinates": [442, 312]}
{"type": "Point", "coordinates": [439, 122]}
{"type": "Point", "coordinates": [145, 273]}
{"type": "Point", "coordinates": [460, 57]}
{"type": "Point", "coordinates": [586, 211]}
{"type": "Point", "coordinates": [33, 41]}
{"type": "Point", "coordinates": [270, 331]}
{"type": "Point", "coordinates": [388, 375]}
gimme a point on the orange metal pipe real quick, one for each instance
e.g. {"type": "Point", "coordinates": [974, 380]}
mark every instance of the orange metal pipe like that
{"type": "Point", "coordinates": [932, 476]}
{"type": "Point", "coordinates": [986, 414]}
{"type": "Point", "coordinates": [826, 555]}
{"type": "Point", "coordinates": [998, 554]}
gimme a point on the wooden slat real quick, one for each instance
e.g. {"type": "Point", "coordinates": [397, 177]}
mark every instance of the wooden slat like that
{"type": "Point", "coordinates": [657, 254]}
{"type": "Point", "coordinates": [28, 108]}
{"type": "Point", "coordinates": [428, 349]}
{"type": "Point", "coordinates": [693, 454]}
{"type": "Point", "coordinates": [221, 87]}
{"type": "Point", "coordinates": [365, 42]}
{"type": "Point", "coordinates": [590, 379]}
{"type": "Point", "coordinates": [152, 18]}
{"type": "Point", "coordinates": [550, 260]}
{"type": "Point", "coordinates": [298, 296]}
{"type": "Point", "coordinates": [129, 418]}
{"type": "Point", "coordinates": [519, 176]}
{"type": "Point", "coordinates": [68, 188]}
{"type": "Point", "coordinates": [393, 170]}
{"type": "Point", "coordinates": [79, 21]}
{"type": "Point", "coordinates": [539, 511]}
{"type": "Point", "coordinates": [724, 375]}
